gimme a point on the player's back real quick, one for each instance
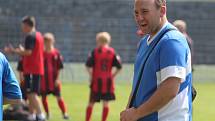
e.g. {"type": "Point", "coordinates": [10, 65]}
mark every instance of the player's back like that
{"type": "Point", "coordinates": [103, 57]}
{"type": "Point", "coordinates": [36, 58]}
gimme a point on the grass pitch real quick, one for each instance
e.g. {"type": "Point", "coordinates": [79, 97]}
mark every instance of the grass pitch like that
{"type": "Point", "coordinates": [76, 93]}
{"type": "Point", "coordinates": [76, 97]}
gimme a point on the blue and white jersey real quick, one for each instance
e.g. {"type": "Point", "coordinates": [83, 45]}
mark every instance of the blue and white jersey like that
{"type": "Point", "coordinates": [9, 85]}
{"type": "Point", "coordinates": [170, 58]}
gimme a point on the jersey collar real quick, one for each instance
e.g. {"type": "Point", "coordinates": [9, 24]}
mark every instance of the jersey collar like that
{"type": "Point", "coordinates": [149, 41]}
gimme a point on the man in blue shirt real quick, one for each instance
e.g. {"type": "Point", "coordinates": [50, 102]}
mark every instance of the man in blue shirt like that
{"type": "Point", "coordinates": [9, 85]}
{"type": "Point", "coordinates": [164, 91]}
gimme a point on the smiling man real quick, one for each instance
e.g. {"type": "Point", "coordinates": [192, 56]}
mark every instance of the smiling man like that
{"type": "Point", "coordinates": [162, 68]}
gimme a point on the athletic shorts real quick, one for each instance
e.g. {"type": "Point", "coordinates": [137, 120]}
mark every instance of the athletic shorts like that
{"type": "Point", "coordinates": [97, 97]}
{"type": "Point", "coordinates": [55, 92]}
{"type": "Point", "coordinates": [32, 83]}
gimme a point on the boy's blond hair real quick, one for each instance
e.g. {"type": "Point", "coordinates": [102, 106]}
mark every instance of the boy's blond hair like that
{"type": "Point", "coordinates": [49, 36]}
{"type": "Point", "coordinates": [103, 38]}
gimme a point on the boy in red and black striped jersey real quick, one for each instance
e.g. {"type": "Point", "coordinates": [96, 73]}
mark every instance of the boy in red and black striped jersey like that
{"type": "Point", "coordinates": [50, 83]}
{"type": "Point", "coordinates": [100, 65]}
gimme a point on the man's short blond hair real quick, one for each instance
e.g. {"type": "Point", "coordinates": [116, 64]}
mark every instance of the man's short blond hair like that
{"type": "Point", "coordinates": [49, 36]}
{"type": "Point", "coordinates": [160, 3]}
{"type": "Point", "coordinates": [103, 37]}
{"type": "Point", "coordinates": [181, 25]}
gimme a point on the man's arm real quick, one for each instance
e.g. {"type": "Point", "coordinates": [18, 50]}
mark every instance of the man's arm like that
{"type": "Point", "coordinates": [30, 42]}
{"type": "Point", "coordinates": [21, 51]}
{"type": "Point", "coordinates": [10, 87]}
{"type": "Point", "coordinates": [89, 64]}
{"type": "Point", "coordinates": [89, 71]}
{"type": "Point", "coordinates": [165, 92]}
{"type": "Point", "coordinates": [115, 72]}
{"type": "Point", "coordinates": [59, 67]}
{"type": "Point", "coordinates": [116, 63]}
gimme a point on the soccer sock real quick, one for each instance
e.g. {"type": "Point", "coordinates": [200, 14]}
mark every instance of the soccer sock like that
{"type": "Point", "coordinates": [62, 106]}
{"type": "Point", "coordinates": [105, 113]}
{"type": "Point", "coordinates": [32, 117]}
{"type": "Point", "coordinates": [88, 113]}
{"type": "Point", "coordinates": [45, 104]}
{"type": "Point", "coordinates": [41, 116]}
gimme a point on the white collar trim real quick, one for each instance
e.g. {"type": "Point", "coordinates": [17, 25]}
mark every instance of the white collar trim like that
{"type": "Point", "coordinates": [149, 40]}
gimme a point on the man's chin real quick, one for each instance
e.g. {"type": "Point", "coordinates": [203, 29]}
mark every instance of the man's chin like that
{"type": "Point", "coordinates": [141, 33]}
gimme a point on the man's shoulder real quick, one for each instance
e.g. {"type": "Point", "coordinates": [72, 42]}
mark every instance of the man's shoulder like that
{"type": "Point", "coordinates": [174, 36]}
{"type": "Point", "coordinates": [31, 35]}
{"type": "Point", "coordinates": [174, 33]}
{"type": "Point", "coordinates": [37, 33]}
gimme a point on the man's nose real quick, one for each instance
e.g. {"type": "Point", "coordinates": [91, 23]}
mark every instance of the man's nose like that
{"type": "Point", "coordinates": [140, 17]}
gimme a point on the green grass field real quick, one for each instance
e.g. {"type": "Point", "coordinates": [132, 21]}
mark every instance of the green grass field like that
{"type": "Point", "coordinates": [76, 92]}
{"type": "Point", "coordinates": [76, 97]}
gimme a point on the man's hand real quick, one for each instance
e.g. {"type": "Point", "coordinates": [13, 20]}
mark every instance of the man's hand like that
{"type": "Point", "coordinates": [9, 48]}
{"type": "Point", "coordinates": [129, 115]}
{"type": "Point", "coordinates": [21, 47]}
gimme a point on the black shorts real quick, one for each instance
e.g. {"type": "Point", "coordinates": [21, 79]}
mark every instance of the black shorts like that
{"type": "Point", "coordinates": [97, 97]}
{"type": "Point", "coordinates": [32, 83]}
{"type": "Point", "coordinates": [55, 92]}
{"type": "Point", "coordinates": [24, 96]}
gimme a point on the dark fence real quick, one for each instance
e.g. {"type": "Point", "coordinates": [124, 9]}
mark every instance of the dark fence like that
{"type": "Point", "coordinates": [76, 22]}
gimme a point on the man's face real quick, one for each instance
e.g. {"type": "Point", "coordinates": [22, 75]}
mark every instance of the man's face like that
{"type": "Point", "coordinates": [25, 28]}
{"type": "Point", "coordinates": [147, 16]}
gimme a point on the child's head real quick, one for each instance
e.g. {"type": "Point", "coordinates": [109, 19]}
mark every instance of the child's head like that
{"type": "Point", "coordinates": [49, 40]}
{"type": "Point", "coordinates": [181, 25]}
{"type": "Point", "coordinates": [103, 38]}
{"type": "Point", "coordinates": [28, 24]}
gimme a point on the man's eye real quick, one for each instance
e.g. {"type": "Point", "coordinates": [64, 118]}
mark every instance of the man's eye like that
{"type": "Point", "coordinates": [135, 13]}
{"type": "Point", "coordinates": [144, 11]}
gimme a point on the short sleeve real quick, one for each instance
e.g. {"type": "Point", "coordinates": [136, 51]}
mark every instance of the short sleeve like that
{"type": "Point", "coordinates": [90, 60]}
{"type": "Point", "coordinates": [10, 88]}
{"type": "Point", "coordinates": [30, 41]}
{"type": "Point", "coordinates": [60, 61]}
{"type": "Point", "coordinates": [117, 62]}
{"type": "Point", "coordinates": [173, 59]}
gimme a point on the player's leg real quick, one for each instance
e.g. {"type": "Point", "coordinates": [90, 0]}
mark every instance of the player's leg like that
{"type": "Point", "coordinates": [105, 110]}
{"type": "Point", "coordinates": [60, 100]}
{"type": "Point", "coordinates": [89, 111]}
{"type": "Point", "coordinates": [62, 106]}
{"type": "Point", "coordinates": [27, 88]}
{"type": "Point", "coordinates": [34, 104]}
{"type": "Point", "coordinates": [45, 105]}
{"type": "Point", "coordinates": [90, 106]}
{"type": "Point", "coordinates": [35, 97]}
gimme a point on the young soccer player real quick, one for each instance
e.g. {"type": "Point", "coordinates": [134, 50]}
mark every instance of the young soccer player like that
{"type": "Point", "coordinates": [50, 83]}
{"type": "Point", "coordinates": [33, 67]}
{"type": "Point", "coordinates": [100, 65]}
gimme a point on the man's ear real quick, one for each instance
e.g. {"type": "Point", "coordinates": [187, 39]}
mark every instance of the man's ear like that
{"type": "Point", "coordinates": [162, 11]}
